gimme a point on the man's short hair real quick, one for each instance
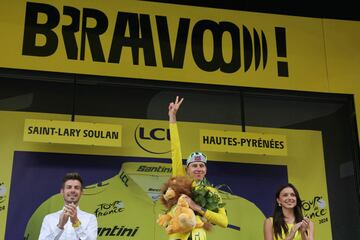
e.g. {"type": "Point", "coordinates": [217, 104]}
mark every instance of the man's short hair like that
{"type": "Point", "coordinates": [72, 176]}
{"type": "Point", "coordinates": [196, 157]}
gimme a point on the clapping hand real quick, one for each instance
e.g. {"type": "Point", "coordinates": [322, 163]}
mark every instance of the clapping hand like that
{"type": "Point", "coordinates": [305, 224]}
{"type": "Point", "coordinates": [70, 212]}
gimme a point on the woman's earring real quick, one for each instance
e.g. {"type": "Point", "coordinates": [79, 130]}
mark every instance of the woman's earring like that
{"type": "Point", "coordinates": [279, 204]}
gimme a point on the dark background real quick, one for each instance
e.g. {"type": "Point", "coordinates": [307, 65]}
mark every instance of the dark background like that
{"type": "Point", "coordinates": [345, 10]}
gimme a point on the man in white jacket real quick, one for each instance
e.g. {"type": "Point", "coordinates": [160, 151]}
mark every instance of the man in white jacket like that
{"type": "Point", "coordinates": [70, 222]}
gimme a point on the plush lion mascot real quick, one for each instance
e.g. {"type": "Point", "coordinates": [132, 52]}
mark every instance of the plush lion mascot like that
{"type": "Point", "coordinates": [180, 218]}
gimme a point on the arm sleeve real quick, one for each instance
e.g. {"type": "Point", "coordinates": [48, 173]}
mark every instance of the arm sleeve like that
{"type": "Point", "coordinates": [48, 231]}
{"type": "Point", "coordinates": [219, 218]}
{"type": "Point", "coordinates": [88, 232]}
{"type": "Point", "coordinates": [176, 157]}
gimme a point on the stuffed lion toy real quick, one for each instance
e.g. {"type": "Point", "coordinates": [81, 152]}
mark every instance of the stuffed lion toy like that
{"type": "Point", "coordinates": [180, 218]}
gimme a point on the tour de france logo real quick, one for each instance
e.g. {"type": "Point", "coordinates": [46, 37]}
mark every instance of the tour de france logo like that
{"type": "Point", "coordinates": [2, 196]}
{"type": "Point", "coordinates": [105, 209]}
{"type": "Point", "coordinates": [316, 209]}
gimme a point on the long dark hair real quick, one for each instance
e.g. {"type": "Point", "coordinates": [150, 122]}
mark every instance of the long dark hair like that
{"type": "Point", "coordinates": [279, 223]}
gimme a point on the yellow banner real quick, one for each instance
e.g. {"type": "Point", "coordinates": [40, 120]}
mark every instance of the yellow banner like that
{"type": "Point", "coordinates": [148, 40]}
{"type": "Point", "coordinates": [84, 133]}
{"type": "Point", "coordinates": [243, 142]}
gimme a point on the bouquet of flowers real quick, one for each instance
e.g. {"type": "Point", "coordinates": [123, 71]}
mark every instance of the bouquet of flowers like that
{"type": "Point", "coordinates": [205, 196]}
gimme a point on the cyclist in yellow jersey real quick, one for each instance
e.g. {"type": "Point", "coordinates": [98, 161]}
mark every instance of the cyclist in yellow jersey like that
{"type": "Point", "coordinates": [287, 222]}
{"type": "Point", "coordinates": [196, 169]}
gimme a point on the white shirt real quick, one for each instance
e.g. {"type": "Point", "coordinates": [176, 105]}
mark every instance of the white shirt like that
{"type": "Point", "coordinates": [86, 231]}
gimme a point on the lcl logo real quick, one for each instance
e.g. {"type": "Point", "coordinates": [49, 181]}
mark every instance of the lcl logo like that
{"type": "Point", "coordinates": [151, 140]}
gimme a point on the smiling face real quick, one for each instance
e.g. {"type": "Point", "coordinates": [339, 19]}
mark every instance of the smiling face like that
{"type": "Point", "coordinates": [196, 170]}
{"type": "Point", "coordinates": [71, 191]}
{"type": "Point", "coordinates": [287, 198]}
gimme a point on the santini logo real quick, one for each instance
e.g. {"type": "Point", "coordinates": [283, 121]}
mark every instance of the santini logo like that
{"type": "Point", "coordinates": [153, 140]}
{"type": "Point", "coordinates": [158, 169]}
